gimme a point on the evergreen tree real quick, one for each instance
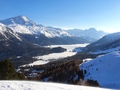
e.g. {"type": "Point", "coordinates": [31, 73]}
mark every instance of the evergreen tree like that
{"type": "Point", "coordinates": [7, 71]}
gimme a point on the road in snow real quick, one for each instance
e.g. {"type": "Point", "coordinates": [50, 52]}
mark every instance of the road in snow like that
{"type": "Point", "coordinates": [46, 58]}
{"type": "Point", "coordinates": [104, 69]}
{"type": "Point", "coordinates": [29, 85]}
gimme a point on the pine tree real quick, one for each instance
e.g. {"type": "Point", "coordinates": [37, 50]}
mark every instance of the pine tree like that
{"type": "Point", "coordinates": [7, 71]}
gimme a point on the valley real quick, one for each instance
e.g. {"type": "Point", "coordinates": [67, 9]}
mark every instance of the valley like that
{"type": "Point", "coordinates": [57, 56]}
{"type": "Point", "coordinates": [50, 54]}
{"type": "Point", "coordinates": [59, 45]}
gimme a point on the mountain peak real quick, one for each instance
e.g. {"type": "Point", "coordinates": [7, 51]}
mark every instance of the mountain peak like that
{"type": "Point", "coordinates": [25, 18]}
{"type": "Point", "coordinates": [22, 20]}
{"type": "Point", "coordinates": [92, 29]}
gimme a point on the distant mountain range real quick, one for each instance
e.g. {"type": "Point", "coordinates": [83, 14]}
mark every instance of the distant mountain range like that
{"type": "Point", "coordinates": [106, 44]}
{"type": "Point", "coordinates": [42, 35]}
{"type": "Point", "coordinates": [91, 33]}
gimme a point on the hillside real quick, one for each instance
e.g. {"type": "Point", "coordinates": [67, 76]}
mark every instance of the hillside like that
{"type": "Point", "coordinates": [106, 44]}
{"type": "Point", "coordinates": [104, 69]}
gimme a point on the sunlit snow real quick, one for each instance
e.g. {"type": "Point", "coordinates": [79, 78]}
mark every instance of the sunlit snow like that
{"type": "Point", "coordinates": [104, 69]}
{"type": "Point", "coordinates": [29, 85]}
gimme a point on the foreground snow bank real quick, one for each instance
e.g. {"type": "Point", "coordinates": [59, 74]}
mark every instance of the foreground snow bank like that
{"type": "Point", "coordinates": [104, 69]}
{"type": "Point", "coordinates": [29, 85]}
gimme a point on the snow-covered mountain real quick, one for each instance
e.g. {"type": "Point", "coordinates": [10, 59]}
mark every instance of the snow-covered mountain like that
{"type": "Point", "coordinates": [29, 85]}
{"type": "Point", "coordinates": [108, 43]}
{"type": "Point", "coordinates": [104, 69]}
{"type": "Point", "coordinates": [12, 44]}
{"type": "Point", "coordinates": [22, 20]}
{"type": "Point", "coordinates": [91, 33]}
{"type": "Point", "coordinates": [40, 34]}
{"type": "Point", "coordinates": [21, 24]}
{"type": "Point", "coordinates": [6, 33]}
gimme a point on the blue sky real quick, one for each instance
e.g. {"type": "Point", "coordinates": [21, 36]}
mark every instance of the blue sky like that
{"type": "Point", "coordinates": [82, 14]}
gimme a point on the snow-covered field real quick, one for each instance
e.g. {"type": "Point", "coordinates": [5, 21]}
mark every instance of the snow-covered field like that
{"type": "Point", "coordinates": [46, 58]}
{"type": "Point", "coordinates": [104, 69]}
{"type": "Point", "coordinates": [29, 85]}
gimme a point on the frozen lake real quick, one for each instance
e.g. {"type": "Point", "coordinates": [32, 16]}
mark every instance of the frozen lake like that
{"type": "Point", "coordinates": [46, 58]}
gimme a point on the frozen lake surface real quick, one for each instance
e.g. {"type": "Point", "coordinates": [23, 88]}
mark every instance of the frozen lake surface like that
{"type": "Point", "coordinates": [47, 58]}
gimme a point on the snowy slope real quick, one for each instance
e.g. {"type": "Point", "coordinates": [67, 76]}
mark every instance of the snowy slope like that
{"type": "Point", "coordinates": [6, 33]}
{"type": "Point", "coordinates": [2, 27]}
{"type": "Point", "coordinates": [106, 51]}
{"type": "Point", "coordinates": [108, 38]}
{"type": "Point", "coordinates": [28, 85]}
{"type": "Point", "coordinates": [104, 69]}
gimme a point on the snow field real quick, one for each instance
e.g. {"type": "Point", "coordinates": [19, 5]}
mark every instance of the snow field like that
{"type": "Point", "coordinates": [104, 69]}
{"type": "Point", "coordinates": [30, 85]}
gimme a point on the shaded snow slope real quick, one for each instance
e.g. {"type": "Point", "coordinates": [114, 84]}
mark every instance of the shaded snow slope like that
{"type": "Point", "coordinates": [113, 36]}
{"type": "Point", "coordinates": [104, 69]}
{"type": "Point", "coordinates": [28, 85]}
{"type": "Point", "coordinates": [106, 51]}
{"type": "Point", "coordinates": [110, 41]}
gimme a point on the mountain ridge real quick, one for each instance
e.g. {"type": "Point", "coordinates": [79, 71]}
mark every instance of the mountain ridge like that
{"type": "Point", "coordinates": [105, 44]}
{"type": "Point", "coordinates": [24, 20]}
